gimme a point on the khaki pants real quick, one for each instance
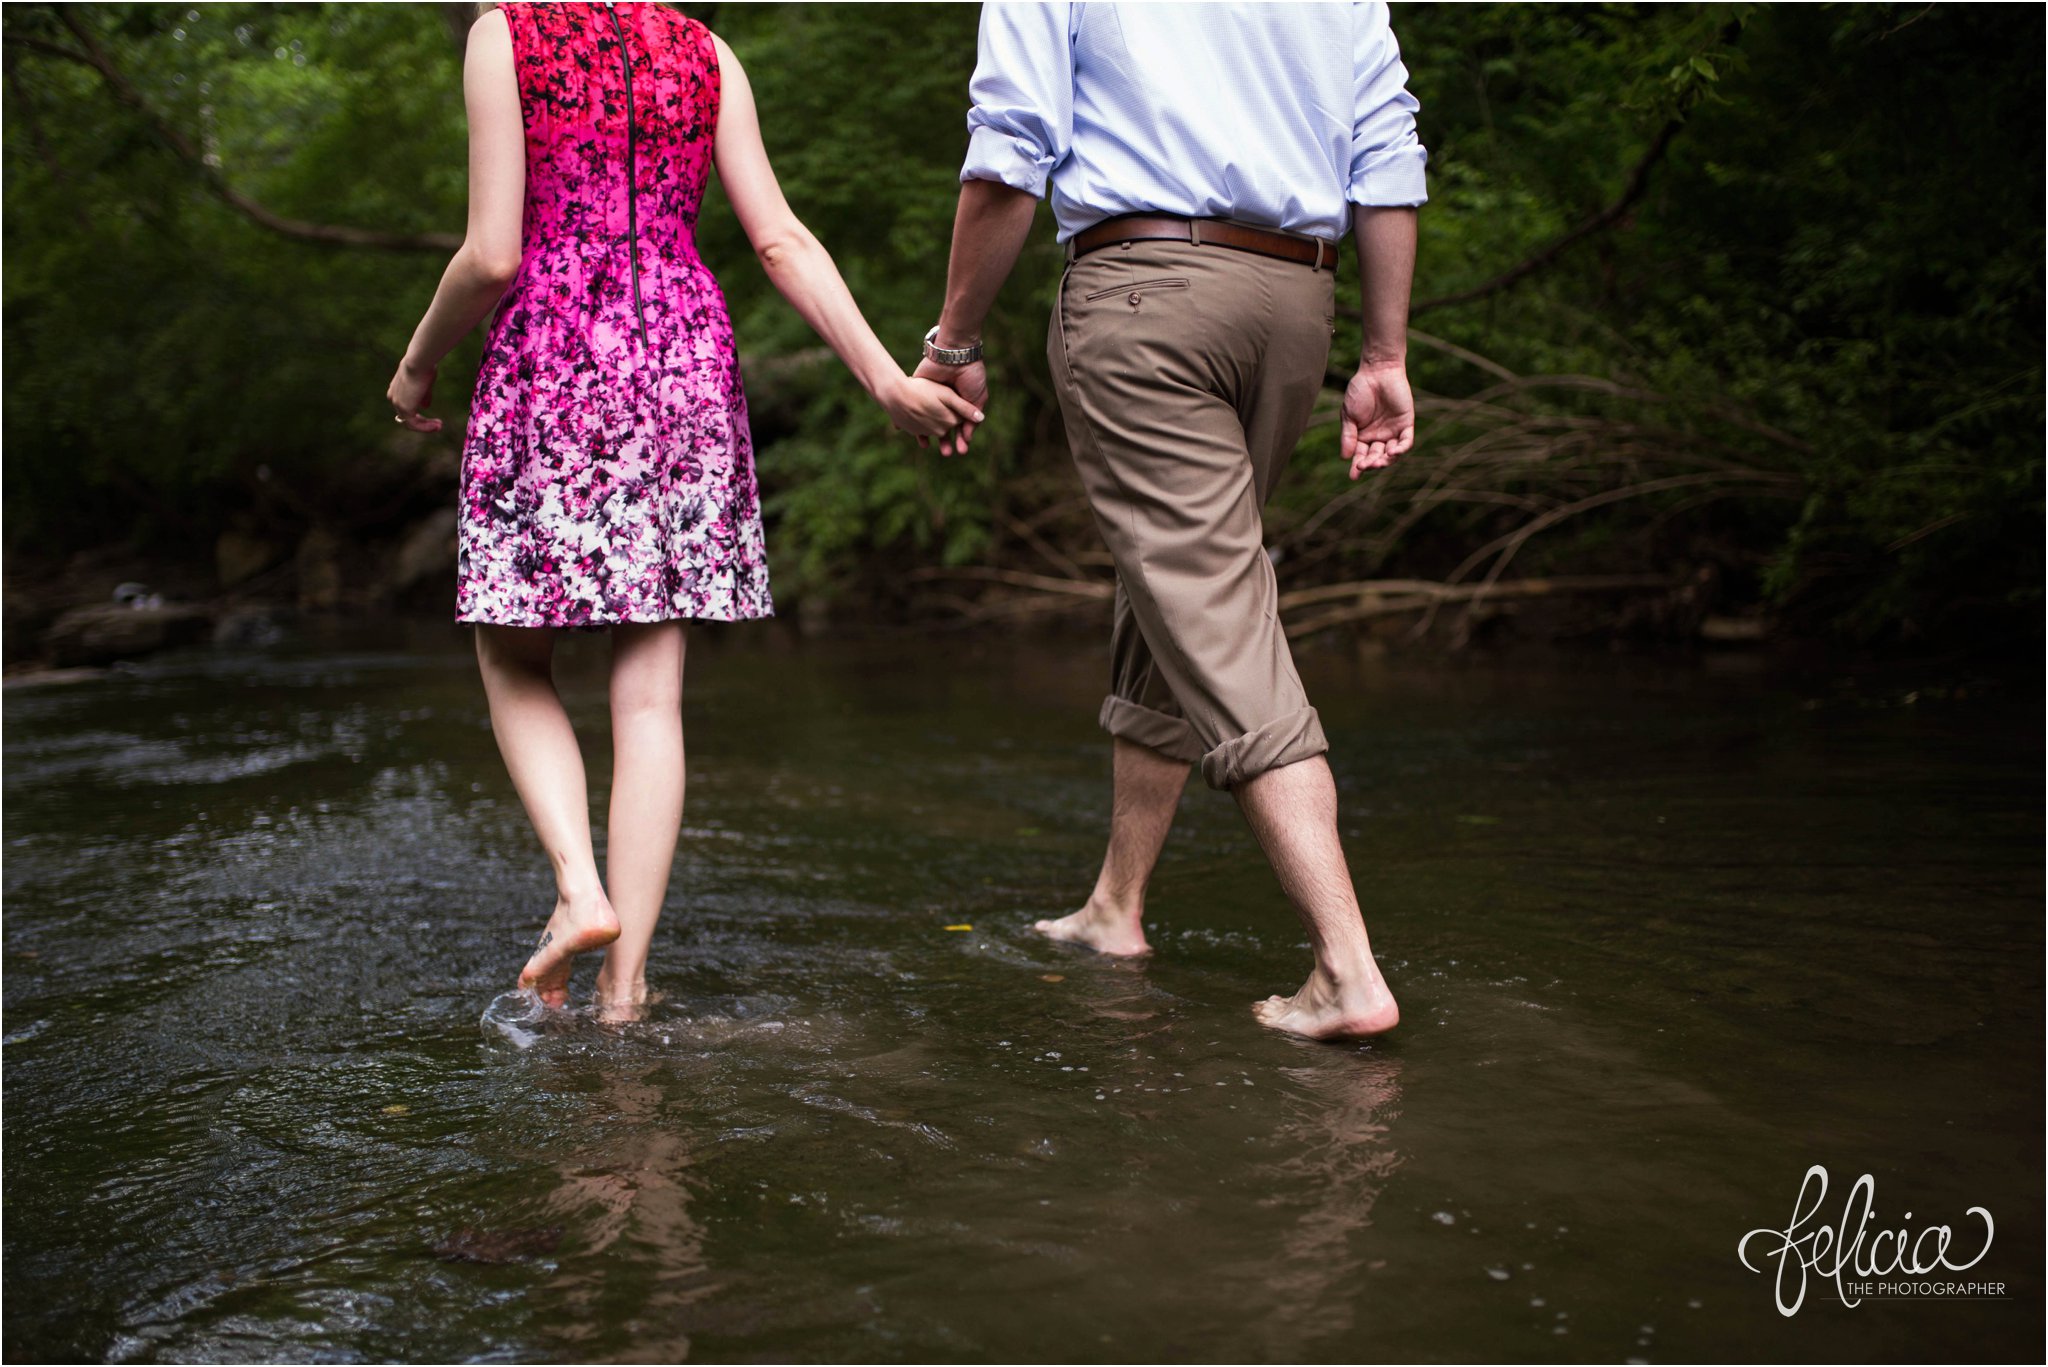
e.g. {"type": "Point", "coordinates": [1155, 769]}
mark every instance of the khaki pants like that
{"type": "Point", "coordinates": [1186, 375]}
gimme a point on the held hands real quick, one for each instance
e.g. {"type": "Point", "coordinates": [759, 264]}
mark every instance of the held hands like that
{"type": "Point", "coordinates": [970, 382]}
{"type": "Point", "coordinates": [1379, 416]}
{"type": "Point", "coordinates": [926, 409]}
{"type": "Point", "coordinates": [409, 392]}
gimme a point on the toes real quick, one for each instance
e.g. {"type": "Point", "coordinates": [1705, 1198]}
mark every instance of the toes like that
{"type": "Point", "coordinates": [1273, 1011]}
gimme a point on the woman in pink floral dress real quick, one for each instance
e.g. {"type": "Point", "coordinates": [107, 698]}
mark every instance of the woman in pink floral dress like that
{"type": "Point", "coordinates": [608, 474]}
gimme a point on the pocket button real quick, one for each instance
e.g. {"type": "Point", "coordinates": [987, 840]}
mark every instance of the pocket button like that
{"type": "Point", "coordinates": [1135, 297]}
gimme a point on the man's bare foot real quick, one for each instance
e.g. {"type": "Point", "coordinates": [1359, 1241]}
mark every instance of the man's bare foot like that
{"type": "Point", "coordinates": [1325, 1010]}
{"type": "Point", "coordinates": [579, 924]}
{"type": "Point", "coordinates": [1105, 932]}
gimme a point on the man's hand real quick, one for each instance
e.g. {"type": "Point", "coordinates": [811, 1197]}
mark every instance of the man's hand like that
{"type": "Point", "coordinates": [1379, 416]}
{"type": "Point", "coordinates": [970, 382]}
{"type": "Point", "coordinates": [925, 408]}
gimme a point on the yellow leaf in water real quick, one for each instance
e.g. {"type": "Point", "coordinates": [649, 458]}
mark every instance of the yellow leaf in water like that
{"type": "Point", "coordinates": [1052, 977]}
{"type": "Point", "coordinates": [397, 1110]}
{"type": "Point", "coordinates": [959, 927]}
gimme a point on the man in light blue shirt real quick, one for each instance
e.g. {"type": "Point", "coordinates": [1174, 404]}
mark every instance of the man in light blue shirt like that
{"type": "Point", "coordinates": [1276, 115]}
{"type": "Point", "coordinates": [1203, 162]}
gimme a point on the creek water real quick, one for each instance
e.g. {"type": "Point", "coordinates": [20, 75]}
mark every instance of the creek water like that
{"type": "Point", "coordinates": [1665, 937]}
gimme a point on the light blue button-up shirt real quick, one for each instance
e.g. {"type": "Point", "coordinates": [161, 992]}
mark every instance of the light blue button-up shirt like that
{"type": "Point", "coordinates": [1281, 115]}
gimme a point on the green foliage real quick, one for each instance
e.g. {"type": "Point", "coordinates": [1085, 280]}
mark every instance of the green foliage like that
{"type": "Point", "coordinates": [1891, 312]}
{"type": "Point", "coordinates": [161, 348]}
{"type": "Point", "coordinates": [1834, 274]}
{"type": "Point", "coordinates": [863, 110]}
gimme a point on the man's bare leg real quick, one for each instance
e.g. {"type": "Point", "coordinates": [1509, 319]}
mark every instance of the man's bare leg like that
{"type": "Point", "coordinates": [540, 750]}
{"type": "Point", "coordinates": [1293, 812]}
{"type": "Point", "coordinates": [1147, 793]}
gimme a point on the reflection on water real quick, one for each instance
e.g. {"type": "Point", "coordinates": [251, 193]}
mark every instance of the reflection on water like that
{"type": "Point", "coordinates": [1664, 937]}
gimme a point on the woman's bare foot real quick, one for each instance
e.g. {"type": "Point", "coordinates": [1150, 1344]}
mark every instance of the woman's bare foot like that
{"type": "Point", "coordinates": [1104, 931]}
{"type": "Point", "coordinates": [622, 1003]}
{"type": "Point", "coordinates": [579, 924]}
{"type": "Point", "coordinates": [1323, 1009]}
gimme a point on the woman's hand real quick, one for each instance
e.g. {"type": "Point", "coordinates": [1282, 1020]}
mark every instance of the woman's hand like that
{"type": "Point", "coordinates": [970, 382]}
{"type": "Point", "coordinates": [925, 409]}
{"type": "Point", "coordinates": [412, 389]}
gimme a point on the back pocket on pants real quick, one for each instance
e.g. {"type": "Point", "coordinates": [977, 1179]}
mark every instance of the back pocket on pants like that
{"type": "Point", "coordinates": [1137, 286]}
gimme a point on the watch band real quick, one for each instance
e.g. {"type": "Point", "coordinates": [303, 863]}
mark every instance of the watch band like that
{"type": "Point", "coordinates": [949, 355]}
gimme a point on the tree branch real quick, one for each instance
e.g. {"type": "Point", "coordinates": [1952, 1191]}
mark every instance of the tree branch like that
{"type": "Point", "coordinates": [91, 54]}
{"type": "Point", "coordinates": [1638, 184]}
{"type": "Point", "coordinates": [29, 40]}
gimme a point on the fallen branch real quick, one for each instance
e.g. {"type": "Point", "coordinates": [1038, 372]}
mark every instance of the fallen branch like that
{"type": "Point", "coordinates": [1043, 583]}
{"type": "Point", "coordinates": [1469, 357]}
{"type": "Point", "coordinates": [1386, 597]}
{"type": "Point", "coordinates": [1430, 588]}
{"type": "Point", "coordinates": [1503, 548]}
{"type": "Point", "coordinates": [1028, 534]}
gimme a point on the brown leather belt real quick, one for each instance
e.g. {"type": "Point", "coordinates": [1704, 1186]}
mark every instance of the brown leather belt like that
{"type": "Point", "coordinates": [1203, 232]}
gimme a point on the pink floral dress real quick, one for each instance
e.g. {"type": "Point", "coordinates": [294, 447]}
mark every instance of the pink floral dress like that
{"type": "Point", "coordinates": [608, 474]}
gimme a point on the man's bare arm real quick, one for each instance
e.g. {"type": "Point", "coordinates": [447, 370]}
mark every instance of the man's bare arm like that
{"type": "Point", "coordinates": [988, 235]}
{"type": "Point", "coordinates": [1386, 273]}
{"type": "Point", "coordinates": [1379, 409]}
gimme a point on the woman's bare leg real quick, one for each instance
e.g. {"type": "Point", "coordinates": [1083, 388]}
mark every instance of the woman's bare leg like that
{"type": "Point", "coordinates": [540, 751]}
{"type": "Point", "coordinates": [647, 801]}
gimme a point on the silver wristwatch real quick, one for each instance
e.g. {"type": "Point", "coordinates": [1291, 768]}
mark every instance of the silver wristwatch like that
{"type": "Point", "coordinates": [949, 355]}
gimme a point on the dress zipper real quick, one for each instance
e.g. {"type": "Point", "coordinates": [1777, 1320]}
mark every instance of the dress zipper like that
{"type": "Point", "coordinates": [632, 189]}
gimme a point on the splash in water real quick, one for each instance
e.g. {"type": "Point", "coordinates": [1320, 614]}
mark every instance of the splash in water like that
{"type": "Point", "coordinates": [517, 1017]}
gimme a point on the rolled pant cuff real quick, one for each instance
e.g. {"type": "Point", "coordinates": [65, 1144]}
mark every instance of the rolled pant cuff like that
{"type": "Point", "coordinates": [1297, 736]}
{"type": "Point", "coordinates": [1170, 736]}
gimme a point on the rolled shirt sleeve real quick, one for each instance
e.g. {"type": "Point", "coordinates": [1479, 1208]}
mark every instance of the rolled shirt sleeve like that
{"type": "Point", "coordinates": [1022, 122]}
{"type": "Point", "coordinates": [1387, 158]}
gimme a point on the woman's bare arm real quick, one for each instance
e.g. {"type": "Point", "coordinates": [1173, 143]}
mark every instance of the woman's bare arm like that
{"type": "Point", "coordinates": [489, 256]}
{"type": "Point", "coordinates": [799, 266]}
